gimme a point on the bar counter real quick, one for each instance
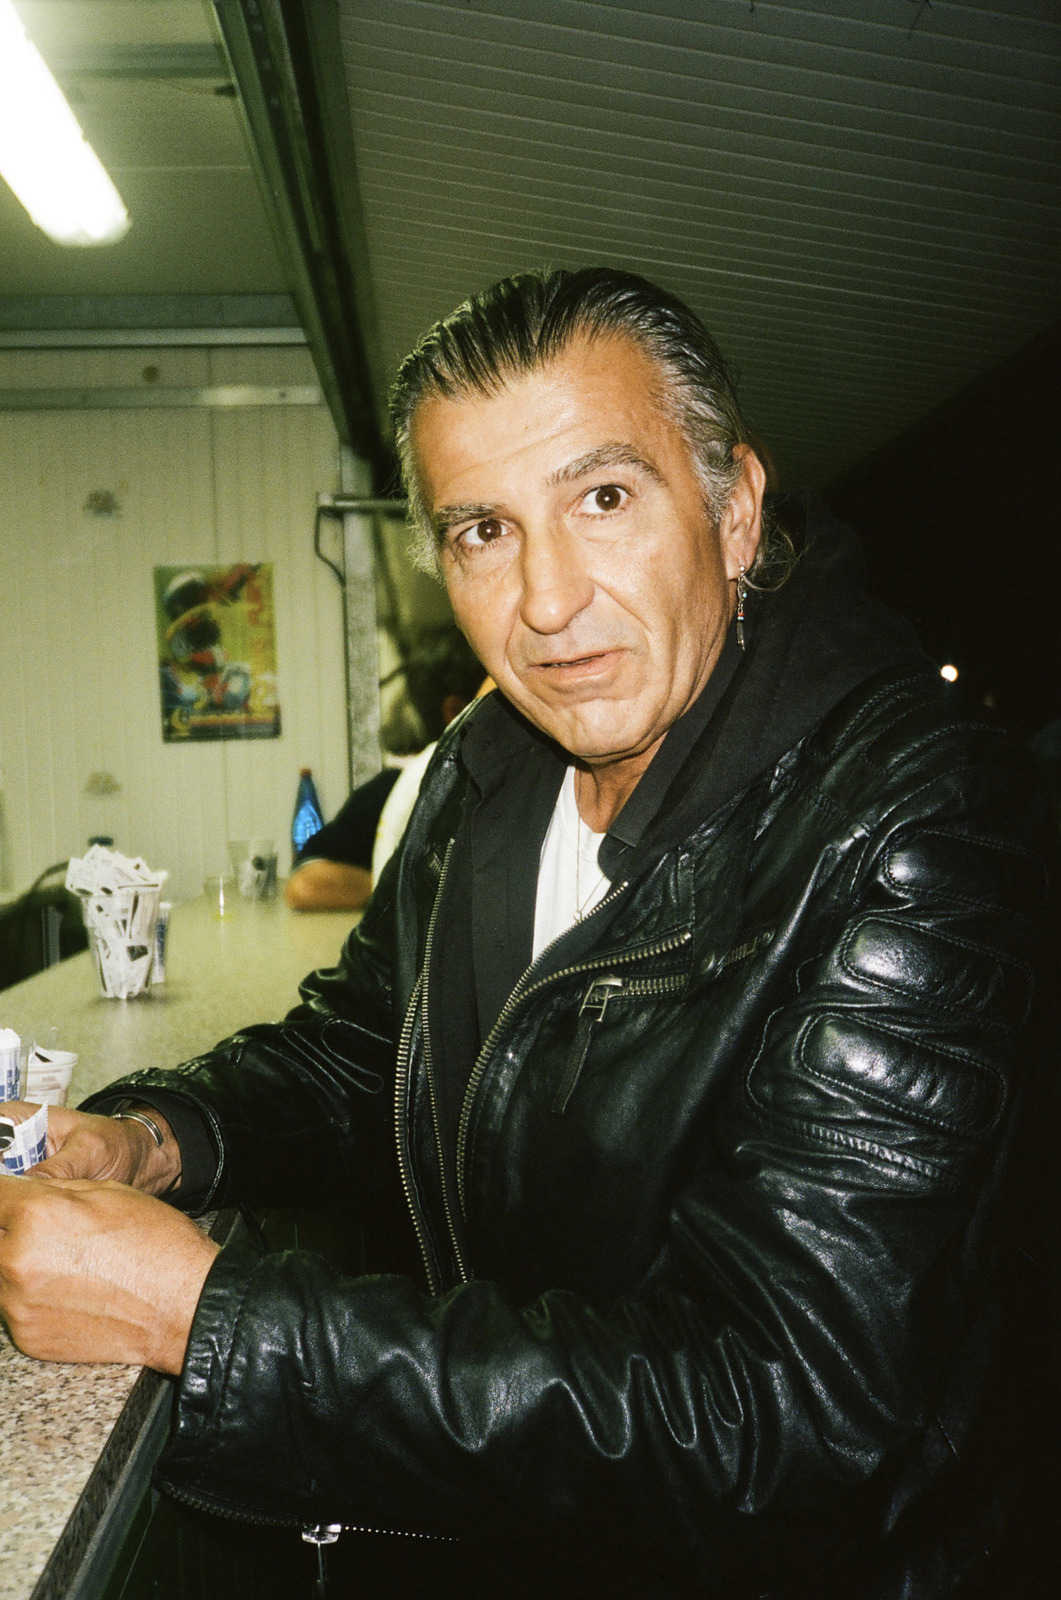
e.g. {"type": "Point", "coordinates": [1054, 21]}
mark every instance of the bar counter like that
{"type": "Point", "coordinates": [77, 1442]}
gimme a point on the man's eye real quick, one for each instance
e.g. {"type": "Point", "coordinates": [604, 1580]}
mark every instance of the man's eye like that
{"type": "Point", "coordinates": [608, 497]}
{"type": "Point", "coordinates": [484, 532]}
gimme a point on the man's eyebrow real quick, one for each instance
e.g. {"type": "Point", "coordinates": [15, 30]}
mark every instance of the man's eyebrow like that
{"type": "Point", "coordinates": [445, 517]}
{"type": "Point", "coordinates": [606, 455]}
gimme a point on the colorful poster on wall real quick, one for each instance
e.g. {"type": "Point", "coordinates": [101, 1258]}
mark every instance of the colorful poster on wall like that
{"type": "Point", "coordinates": [217, 652]}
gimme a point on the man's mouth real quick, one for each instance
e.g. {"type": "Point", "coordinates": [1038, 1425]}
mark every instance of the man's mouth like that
{"type": "Point", "coordinates": [592, 658]}
{"type": "Point", "coordinates": [584, 671]}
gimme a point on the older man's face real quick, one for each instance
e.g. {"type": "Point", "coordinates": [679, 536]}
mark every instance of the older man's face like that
{"type": "Point", "coordinates": [576, 549]}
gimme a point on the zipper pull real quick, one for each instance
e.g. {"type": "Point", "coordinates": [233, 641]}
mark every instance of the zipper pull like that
{"type": "Point", "coordinates": [323, 1533]}
{"type": "Point", "coordinates": [590, 1013]}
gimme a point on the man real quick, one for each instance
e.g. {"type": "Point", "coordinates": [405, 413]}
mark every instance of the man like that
{"type": "Point", "coordinates": [690, 1033]}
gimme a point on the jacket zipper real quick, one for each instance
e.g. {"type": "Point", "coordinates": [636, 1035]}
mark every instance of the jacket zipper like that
{"type": "Point", "coordinates": [318, 1533]}
{"type": "Point", "coordinates": [401, 1100]}
{"type": "Point", "coordinates": [429, 1068]}
{"type": "Point", "coordinates": [591, 1014]}
{"type": "Point", "coordinates": [312, 1533]}
{"type": "Point", "coordinates": [523, 991]}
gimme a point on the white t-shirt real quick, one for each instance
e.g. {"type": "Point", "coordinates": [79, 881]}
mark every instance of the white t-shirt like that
{"type": "Point", "coordinates": [570, 882]}
{"type": "Point", "coordinates": [398, 808]}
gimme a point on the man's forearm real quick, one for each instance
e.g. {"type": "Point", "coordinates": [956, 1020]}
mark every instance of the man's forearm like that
{"type": "Point", "coordinates": [321, 885]}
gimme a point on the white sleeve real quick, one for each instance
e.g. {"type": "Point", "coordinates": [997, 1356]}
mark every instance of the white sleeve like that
{"type": "Point", "coordinates": [397, 809]}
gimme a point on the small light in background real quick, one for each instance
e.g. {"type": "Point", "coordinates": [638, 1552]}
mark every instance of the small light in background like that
{"type": "Point", "coordinates": [950, 673]}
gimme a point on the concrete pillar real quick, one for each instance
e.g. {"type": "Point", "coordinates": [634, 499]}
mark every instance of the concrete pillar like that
{"type": "Point", "coordinates": [359, 600]}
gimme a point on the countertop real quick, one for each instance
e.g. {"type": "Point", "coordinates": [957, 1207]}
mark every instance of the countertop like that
{"type": "Point", "coordinates": [221, 974]}
{"type": "Point", "coordinates": [67, 1430]}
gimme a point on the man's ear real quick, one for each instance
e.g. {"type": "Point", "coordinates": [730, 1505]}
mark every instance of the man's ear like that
{"type": "Point", "coordinates": [741, 522]}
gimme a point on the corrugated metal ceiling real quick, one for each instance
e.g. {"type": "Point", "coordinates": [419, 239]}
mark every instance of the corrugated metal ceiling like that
{"type": "Point", "coordinates": [859, 198]}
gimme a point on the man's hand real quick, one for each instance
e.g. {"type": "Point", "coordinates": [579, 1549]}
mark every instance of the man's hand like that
{"type": "Point", "coordinates": [98, 1272]}
{"type": "Point", "coordinates": [81, 1145]}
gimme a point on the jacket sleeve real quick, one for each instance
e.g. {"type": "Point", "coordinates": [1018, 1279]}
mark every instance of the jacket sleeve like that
{"type": "Point", "coordinates": [808, 1319]}
{"type": "Point", "coordinates": [320, 1082]}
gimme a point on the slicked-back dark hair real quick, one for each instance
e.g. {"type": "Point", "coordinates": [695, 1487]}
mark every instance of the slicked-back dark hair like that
{"type": "Point", "coordinates": [521, 323]}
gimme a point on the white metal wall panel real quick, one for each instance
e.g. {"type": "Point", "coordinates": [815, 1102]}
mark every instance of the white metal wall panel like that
{"type": "Point", "coordinates": [80, 677]}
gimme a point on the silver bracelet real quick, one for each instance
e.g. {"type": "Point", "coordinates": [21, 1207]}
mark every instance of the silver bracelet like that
{"type": "Point", "coordinates": [145, 1122]}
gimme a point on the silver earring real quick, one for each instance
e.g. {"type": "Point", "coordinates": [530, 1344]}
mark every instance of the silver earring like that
{"type": "Point", "coordinates": [742, 590]}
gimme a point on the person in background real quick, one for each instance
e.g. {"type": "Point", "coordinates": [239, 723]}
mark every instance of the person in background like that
{"type": "Point", "coordinates": [336, 867]}
{"type": "Point", "coordinates": [398, 806]}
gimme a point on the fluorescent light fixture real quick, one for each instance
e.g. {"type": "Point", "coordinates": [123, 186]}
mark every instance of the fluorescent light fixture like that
{"type": "Point", "coordinates": [44, 156]}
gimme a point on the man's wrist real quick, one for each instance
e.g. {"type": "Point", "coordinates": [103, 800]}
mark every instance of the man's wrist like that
{"type": "Point", "coordinates": [159, 1162]}
{"type": "Point", "coordinates": [145, 1121]}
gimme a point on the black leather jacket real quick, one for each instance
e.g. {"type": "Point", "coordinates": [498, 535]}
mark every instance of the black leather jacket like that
{"type": "Point", "coordinates": [719, 1260]}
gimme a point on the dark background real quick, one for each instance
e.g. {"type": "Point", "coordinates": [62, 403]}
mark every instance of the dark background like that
{"type": "Point", "coordinates": [960, 521]}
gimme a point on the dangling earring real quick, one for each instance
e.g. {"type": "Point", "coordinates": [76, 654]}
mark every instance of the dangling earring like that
{"type": "Point", "coordinates": [742, 590]}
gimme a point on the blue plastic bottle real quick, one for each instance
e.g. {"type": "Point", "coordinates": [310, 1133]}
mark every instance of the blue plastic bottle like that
{"type": "Point", "coordinates": [307, 820]}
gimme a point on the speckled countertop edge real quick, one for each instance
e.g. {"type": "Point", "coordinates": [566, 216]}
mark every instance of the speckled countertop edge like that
{"type": "Point", "coordinates": [67, 1436]}
{"type": "Point", "coordinates": [57, 1419]}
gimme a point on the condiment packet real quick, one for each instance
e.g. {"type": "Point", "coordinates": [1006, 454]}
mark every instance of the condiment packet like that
{"type": "Point", "coordinates": [23, 1144]}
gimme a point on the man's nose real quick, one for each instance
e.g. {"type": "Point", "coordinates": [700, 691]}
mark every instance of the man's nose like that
{"type": "Point", "coordinates": [555, 583]}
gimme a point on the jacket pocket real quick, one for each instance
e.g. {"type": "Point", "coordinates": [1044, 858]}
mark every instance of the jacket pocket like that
{"type": "Point", "coordinates": [605, 988]}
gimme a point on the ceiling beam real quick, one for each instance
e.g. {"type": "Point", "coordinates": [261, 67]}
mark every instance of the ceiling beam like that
{"type": "Point", "coordinates": [286, 64]}
{"type": "Point", "coordinates": [206, 60]}
{"type": "Point", "coordinates": [116, 397]}
{"type": "Point", "coordinates": [80, 321]}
